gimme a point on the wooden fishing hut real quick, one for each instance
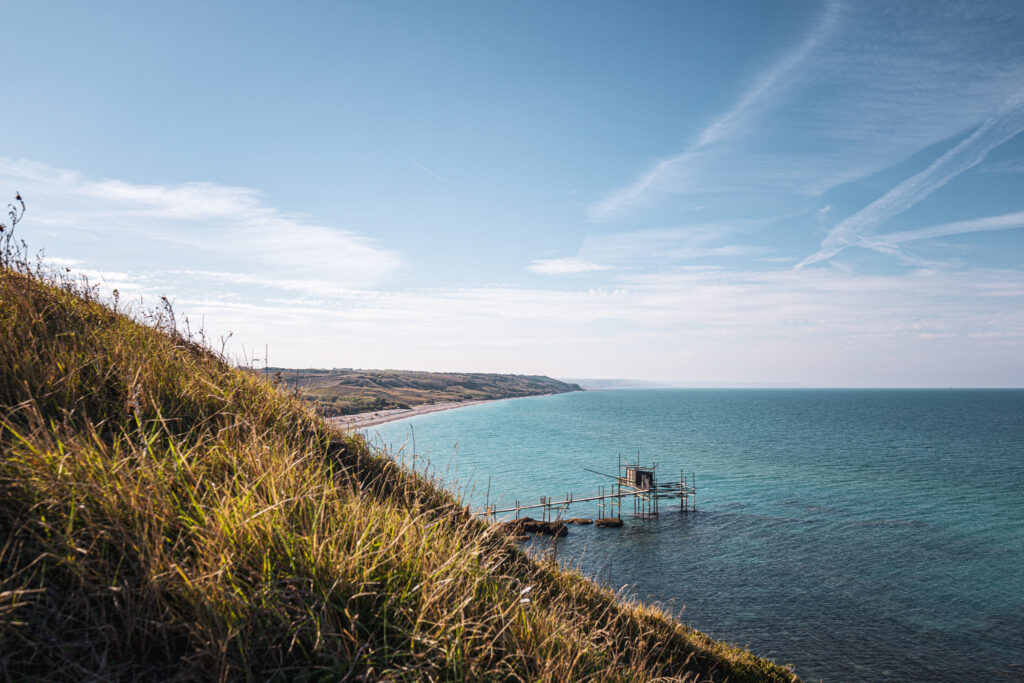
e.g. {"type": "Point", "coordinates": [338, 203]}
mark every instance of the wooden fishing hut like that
{"type": "Point", "coordinates": [632, 480]}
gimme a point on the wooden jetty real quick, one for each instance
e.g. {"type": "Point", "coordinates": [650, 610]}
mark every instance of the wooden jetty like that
{"type": "Point", "coordinates": [634, 481]}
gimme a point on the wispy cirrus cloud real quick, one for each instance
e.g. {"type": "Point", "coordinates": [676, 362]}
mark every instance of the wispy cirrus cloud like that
{"type": "Point", "coordinates": [427, 171]}
{"type": "Point", "coordinates": [1009, 221]}
{"type": "Point", "coordinates": [857, 229]}
{"type": "Point", "coordinates": [673, 169]}
{"type": "Point", "coordinates": [1015, 165]}
{"type": "Point", "coordinates": [773, 78]}
{"type": "Point", "coordinates": [864, 88]}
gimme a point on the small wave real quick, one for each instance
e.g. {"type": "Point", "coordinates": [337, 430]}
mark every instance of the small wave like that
{"type": "Point", "coordinates": [736, 505]}
{"type": "Point", "coordinates": [819, 508]}
{"type": "Point", "coordinates": [774, 519]}
{"type": "Point", "coordinates": [890, 522]}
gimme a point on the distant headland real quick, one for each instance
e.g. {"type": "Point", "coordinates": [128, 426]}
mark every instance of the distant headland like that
{"type": "Point", "coordinates": [341, 392]}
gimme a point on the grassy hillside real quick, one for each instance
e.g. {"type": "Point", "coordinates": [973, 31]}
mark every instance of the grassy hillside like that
{"type": "Point", "coordinates": [165, 516]}
{"type": "Point", "coordinates": [345, 392]}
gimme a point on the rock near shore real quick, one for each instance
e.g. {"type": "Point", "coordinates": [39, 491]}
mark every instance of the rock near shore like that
{"type": "Point", "coordinates": [524, 525]}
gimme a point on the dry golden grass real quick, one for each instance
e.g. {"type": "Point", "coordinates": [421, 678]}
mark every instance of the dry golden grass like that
{"type": "Point", "coordinates": [165, 516]}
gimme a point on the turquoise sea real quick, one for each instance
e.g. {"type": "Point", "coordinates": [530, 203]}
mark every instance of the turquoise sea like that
{"type": "Point", "coordinates": [857, 534]}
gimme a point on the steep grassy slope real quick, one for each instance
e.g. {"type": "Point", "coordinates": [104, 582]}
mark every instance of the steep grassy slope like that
{"type": "Point", "coordinates": [344, 392]}
{"type": "Point", "coordinates": [165, 516]}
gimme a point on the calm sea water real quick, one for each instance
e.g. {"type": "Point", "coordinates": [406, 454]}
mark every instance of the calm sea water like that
{"type": "Point", "coordinates": [857, 534]}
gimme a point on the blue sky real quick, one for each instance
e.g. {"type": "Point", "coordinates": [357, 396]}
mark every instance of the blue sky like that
{"type": "Point", "coordinates": [814, 193]}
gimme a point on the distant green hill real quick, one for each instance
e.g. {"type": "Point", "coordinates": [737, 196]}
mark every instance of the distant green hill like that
{"type": "Point", "coordinates": [345, 392]}
{"type": "Point", "coordinates": [164, 516]}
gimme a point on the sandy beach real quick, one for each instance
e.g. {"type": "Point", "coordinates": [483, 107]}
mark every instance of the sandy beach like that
{"type": "Point", "coordinates": [362, 420]}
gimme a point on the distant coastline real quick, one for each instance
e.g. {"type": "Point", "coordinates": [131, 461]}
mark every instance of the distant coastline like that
{"type": "Point", "coordinates": [359, 397]}
{"type": "Point", "coordinates": [379, 417]}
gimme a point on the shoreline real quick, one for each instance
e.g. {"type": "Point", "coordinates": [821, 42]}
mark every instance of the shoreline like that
{"type": "Point", "coordinates": [379, 417]}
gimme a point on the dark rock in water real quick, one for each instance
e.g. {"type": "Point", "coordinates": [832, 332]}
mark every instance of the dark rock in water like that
{"type": "Point", "coordinates": [518, 527]}
{"type": "Point", "coordinates": [548, 528]}
{"type": "Point", "coordinates": [609, 521]}
{"type": "Point", "coordinates": [579, 520]}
